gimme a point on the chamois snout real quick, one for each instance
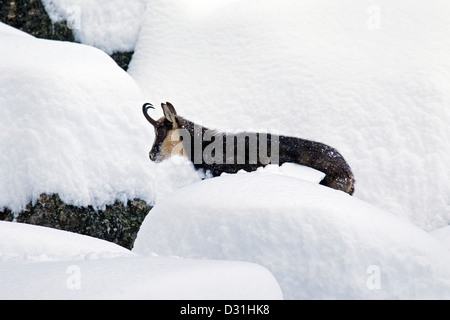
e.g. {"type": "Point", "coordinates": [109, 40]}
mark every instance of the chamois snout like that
{"type": "Point", "coordinates": [153, 156]}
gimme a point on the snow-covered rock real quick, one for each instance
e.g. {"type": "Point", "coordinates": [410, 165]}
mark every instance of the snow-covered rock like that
{"type": "Point", "coordinates": [318, 242]}
{"type": "Point", "coordinates": [41, 263]}
{"type": "Point", "coordinates": [110, 25]}
{"type": "Point", "coordinates": [71, 124]}
{"type": "Point", "coordinates": [371, 79]}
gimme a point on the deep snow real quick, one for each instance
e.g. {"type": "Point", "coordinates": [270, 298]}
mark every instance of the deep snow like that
{"type": "Point", "coordinates": [71, 124]}
{"type": "Point", "coordinates": [110, 25]}
{"type": "Point", "coordinates": [20, 242]}
{"type": "Point", "coordinates": [370, 79]}
{"type": "Point", "coordinates": [41, 263]}
{"type": "Point", "coordinates": [319, 243]}
{"type": "Point", "coordinates": [138, 278]}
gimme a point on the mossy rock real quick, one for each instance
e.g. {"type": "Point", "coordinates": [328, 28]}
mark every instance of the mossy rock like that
{"type": "Point", "coordinates": [122, 59]}
{"type": "Point", "coordinates": [117, 223]}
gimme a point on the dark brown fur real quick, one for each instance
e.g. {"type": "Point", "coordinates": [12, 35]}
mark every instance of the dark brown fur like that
{"type": "Point", "coordinates": [316, 155]}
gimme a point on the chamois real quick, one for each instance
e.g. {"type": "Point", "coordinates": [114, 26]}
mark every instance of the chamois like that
{"type": "Point", "coordinates": [219, 152]}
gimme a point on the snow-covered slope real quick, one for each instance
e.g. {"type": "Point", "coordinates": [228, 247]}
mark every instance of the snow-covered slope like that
{"type": "Point", "coordinates": [41, 263]}
{"type": "Point", "coordinates": [371, 79]}
{"type": "Point", "coordinates": [319, 243]}
{"type": "Point", "coordinates": [71, 124]}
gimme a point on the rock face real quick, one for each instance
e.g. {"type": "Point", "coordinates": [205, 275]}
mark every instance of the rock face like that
{"type": "Point", "coordinates": [116, 223]}
{"type": "Point", "coordinates": [30, 16]}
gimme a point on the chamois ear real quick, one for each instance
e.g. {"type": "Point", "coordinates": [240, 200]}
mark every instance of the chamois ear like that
{"type": "Point", "coordinates": [169, 111]}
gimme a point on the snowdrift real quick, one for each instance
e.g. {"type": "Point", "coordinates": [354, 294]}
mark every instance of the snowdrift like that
{"type": "Point", "coordinates": [41, 263]}
{"type": "Point", "coordinates": [371, 80]}
{"type": "Point", "coordinates": [318, 243]}
{"type": "Point", "coordinates": [71, 124]}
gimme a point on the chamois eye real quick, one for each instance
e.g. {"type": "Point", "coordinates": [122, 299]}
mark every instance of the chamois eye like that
{"type": "Point", "coordinates": [162, 132]}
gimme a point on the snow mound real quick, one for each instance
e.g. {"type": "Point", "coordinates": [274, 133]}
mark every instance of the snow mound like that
{"type": "Point", "coordinates": [368, 79]}
{"type": "Point", "coordinates": [110, 25]}
{"type": "Point", "coordinates": [138, 278]}
{"type": "Point", "coordinates": [38, 244]}
{"type": "Point", "coordinates": [41, 263]}
{"type": "Point", "coordinates": [319, 243]}
{"type": "Point", "coordinates": [71, 123]}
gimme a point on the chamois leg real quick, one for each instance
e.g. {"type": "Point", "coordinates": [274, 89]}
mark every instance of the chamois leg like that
{"type": "Point", "coordinates": [343, 181]}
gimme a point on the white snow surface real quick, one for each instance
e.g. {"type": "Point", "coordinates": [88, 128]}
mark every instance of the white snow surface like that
{"type": "Point", "coordinates": [370, 79]}
{"type": "Point", "coordinates": [139, 278]}
{"type": "Point", "coordinates": [71, 124]}
{"type": "Point", "coordinates": [319, 243]}
{"type": "Point", "coordinates": [38, 244]}
{"type": "Point", "coordinates": [110, 25]}
{"type": "Point", "coordinates": [41, 263]}
{"type": "Point", "coordinates": [293, 170]}
{"type": "Point", "coordinates": [443, 235]}
{"type": "Point", "coordinates": [8, 30]}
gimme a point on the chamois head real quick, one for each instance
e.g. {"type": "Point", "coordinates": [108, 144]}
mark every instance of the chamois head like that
{"type": "Point", "coordinates": [167, 139]}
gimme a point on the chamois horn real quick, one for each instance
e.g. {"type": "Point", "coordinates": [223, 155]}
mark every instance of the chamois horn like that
{"type": "Point", "coordinates": [145, 108]}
